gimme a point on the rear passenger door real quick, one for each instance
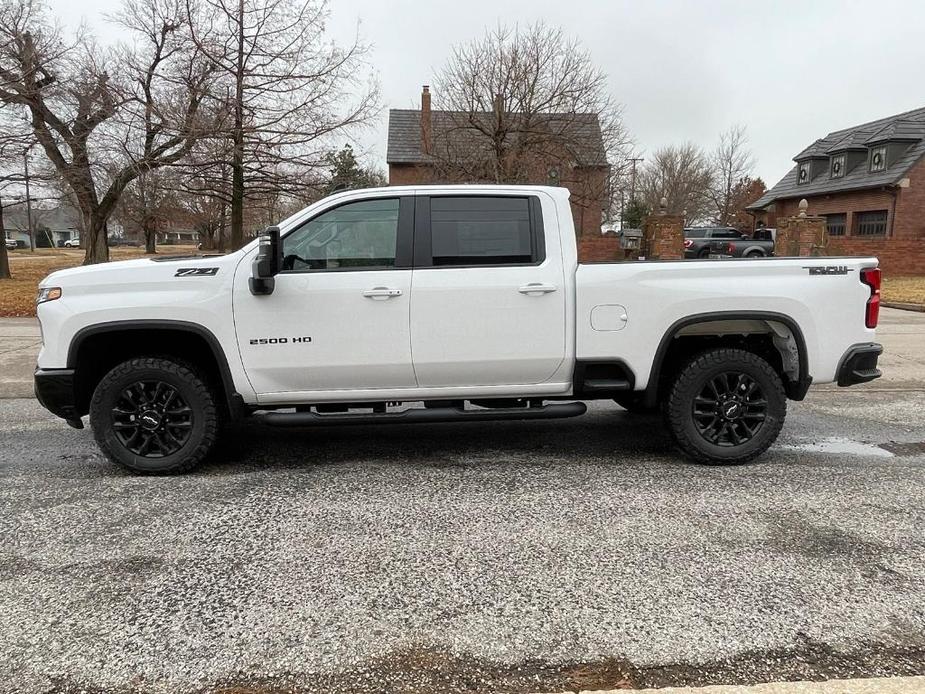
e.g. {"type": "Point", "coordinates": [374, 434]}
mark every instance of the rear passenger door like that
{"type": "Point", "coordinates": [487, 301]}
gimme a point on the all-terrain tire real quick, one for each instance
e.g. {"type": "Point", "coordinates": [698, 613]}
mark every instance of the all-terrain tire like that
{"type": "Point", "coordinates": [170, 396]}
{"type": "Point", "coordinates": [687, 407]}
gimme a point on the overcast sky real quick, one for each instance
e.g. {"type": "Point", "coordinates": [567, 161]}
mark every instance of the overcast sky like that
{"type": "Point", "coordinates": [684, 70]}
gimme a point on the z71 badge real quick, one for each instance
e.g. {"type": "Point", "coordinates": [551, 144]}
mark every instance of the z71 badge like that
{"type": "Point", "coordinates": [196, 272]}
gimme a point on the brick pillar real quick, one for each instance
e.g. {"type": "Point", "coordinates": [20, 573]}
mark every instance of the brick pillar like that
{"type": "Point", "coordinates": [663, 237]}
{"type": "Point", "coordinates": [803, 235]}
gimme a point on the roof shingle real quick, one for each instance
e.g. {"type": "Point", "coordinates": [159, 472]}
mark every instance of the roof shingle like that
{"type": "Point", "coordinates": [908, 127]}
{"type": "Point", "coordinates": [453, 132]}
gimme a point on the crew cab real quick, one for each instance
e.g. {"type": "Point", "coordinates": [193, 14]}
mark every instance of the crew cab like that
{"type": "Point", "coordinates": [443, 303]}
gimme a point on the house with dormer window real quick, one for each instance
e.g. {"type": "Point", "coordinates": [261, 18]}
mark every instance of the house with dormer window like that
{"type": "Point", "coordinates": [868, 181]}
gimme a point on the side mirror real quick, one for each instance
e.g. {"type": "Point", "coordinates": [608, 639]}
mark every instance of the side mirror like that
{"type": "Point", "coordinates": [267, 263]}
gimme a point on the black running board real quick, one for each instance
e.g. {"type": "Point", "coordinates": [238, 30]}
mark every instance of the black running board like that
{"type": "Point", "coordinates": [423, 415]}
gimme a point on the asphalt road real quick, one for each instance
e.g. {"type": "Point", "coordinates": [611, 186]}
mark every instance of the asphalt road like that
{"type": "Point", "coordinates": [470, 558]}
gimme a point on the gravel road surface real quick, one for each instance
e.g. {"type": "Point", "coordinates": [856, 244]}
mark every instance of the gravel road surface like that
{"type": "Point", "coordinates": [466, 558]}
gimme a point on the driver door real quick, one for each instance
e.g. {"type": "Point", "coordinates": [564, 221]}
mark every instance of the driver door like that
{"type": "Point", "coordinates": [338, 319]}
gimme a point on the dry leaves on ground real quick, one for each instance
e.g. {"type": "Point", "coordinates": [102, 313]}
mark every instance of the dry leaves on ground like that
{"type": "Point", "coordinates": [17, 296]}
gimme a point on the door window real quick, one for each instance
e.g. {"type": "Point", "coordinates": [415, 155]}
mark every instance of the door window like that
{"type": "Point", "coordinates": [481, 230]}
{"type": "Point", "coordinates": [358, 235]}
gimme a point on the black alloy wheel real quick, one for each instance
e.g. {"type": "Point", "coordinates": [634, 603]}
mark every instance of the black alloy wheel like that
{"type": "Point", "coordinates": [152, 419]}
{"type": "Point", "coordinates": [730, 409]}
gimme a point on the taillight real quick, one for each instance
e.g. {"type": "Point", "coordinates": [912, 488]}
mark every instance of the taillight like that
{"type": "Point", "coordinates": [688, 243]}
{"type": "Point", "coordinates": [732, 247]}
{"type": "Point", "coordinates": [871, 276]}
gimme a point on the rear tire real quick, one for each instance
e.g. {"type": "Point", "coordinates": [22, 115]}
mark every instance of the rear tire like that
{"type": "Point", "coordinates": [754, 254]}
{"type": "Point", "coordinates": [726, 407]}
{"type": "Point", "coordinates": [154, 416]}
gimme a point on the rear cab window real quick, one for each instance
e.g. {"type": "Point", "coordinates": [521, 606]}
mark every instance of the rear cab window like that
{"type": "Point", "coordinates": [475, 231]}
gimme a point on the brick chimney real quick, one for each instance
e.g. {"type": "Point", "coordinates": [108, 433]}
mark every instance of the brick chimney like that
{"type": "Point", "coordinates": [426, 129]}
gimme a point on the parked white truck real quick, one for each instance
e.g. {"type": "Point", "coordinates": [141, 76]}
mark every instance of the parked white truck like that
{"type": "Point", "coordinates": [469, 300]}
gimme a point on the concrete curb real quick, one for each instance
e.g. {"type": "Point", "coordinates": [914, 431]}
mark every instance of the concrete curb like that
{"type": "Point", "coordinates": [904, 307]}
{"type": "Point", "coordinates": [878, 685]}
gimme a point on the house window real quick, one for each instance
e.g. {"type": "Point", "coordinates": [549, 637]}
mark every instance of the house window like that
{"type": "Point", "coordinates": [870, 223]}
{"type": "Point", "coordinates": [838, 166]}
{"type": "Point", "coordinates": [835, 224]}
{"type": "Point", "coordinates": [878, 159]}
{"type": "Point", "coordinates": [803, 175]}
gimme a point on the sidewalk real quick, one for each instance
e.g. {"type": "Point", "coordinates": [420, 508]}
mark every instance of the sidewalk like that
{"type": "Point", "coordinates": [20, 340]}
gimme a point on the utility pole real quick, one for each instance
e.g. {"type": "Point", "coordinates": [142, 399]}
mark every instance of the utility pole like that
{"type": "Point", "coordinates": [633, 161]}
{"type": "Point", "coordinates": [25, 158]}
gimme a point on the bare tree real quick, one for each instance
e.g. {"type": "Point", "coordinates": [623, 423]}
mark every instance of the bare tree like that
{"type": "Point", "coordinates": [287, 88]}
{"type": "Point", "coordinates": [103, 117]}
{"type": "Point", "coordinates": [148, 203]}
{"type": "Point", "coordinates": [6, 177]}
{"type": "Point", "coordinates": [681, 174]}
{"type": "Point", "coordinates": [527, 105]}
{"type": "Point", "coordinates": [732, 165]}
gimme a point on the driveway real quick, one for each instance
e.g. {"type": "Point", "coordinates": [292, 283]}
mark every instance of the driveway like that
{"type": "Point", "coordinates": [509, 556]}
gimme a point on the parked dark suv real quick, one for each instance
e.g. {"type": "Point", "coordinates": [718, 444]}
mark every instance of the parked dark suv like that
{"type": "Point", "coordinates": [700, 242]}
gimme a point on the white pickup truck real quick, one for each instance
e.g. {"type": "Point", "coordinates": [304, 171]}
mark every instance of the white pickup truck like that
{"type": "Point", "coordinates": [443, 303]}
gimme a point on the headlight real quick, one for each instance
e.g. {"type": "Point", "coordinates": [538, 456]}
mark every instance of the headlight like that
{"type": "Point", "coordinates": [47, 294]}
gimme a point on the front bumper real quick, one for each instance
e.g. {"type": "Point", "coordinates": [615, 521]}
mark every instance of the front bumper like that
{"type": "Point", "coordinates": [54, 389]}
{"type": "Point", "coordinates": [859, 364]}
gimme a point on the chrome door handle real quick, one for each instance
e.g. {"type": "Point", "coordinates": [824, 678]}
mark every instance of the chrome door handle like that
{"type": "Point", "coordinates": [537, 288]}
{"type": "Point", "coordinates": [381, 293]}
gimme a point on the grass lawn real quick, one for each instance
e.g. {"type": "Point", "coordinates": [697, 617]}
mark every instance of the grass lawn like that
{"type": "Point", "coordinates": [17, 296]}
{"type": "Point", "coordinates": [904, 290]}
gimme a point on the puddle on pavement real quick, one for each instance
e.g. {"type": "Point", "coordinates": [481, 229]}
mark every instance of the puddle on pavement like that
{"type": "Point", "coordinates": [842, 446]}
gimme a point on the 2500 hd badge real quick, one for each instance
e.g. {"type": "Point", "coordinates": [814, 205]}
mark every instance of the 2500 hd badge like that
{"type": "Point", "coordinates": [278, 340]}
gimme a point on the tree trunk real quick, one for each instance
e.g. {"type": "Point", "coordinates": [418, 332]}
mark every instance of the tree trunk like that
{"type": "Point", "coordinates": [237, 194]}
{"type": "Point", "coordinates": [221, 228]}
{"type": "Point", "coordinates": [5, 273]}
{"type": "Point", "coordinates": [150, 232]}
{"type": "Point", "coordinates": [237, 157]}
{"type": "Point", "coordinates": [97, 243]}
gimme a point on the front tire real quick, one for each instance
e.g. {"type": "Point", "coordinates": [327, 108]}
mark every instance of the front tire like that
{"type": "Point", "coordinates": [154, 416]}
{"type": "Point", "coordinates": [726, 407]}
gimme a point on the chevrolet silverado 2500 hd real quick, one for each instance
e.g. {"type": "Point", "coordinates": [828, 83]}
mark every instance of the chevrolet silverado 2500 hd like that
{"type": "Point", "coordinates": [466, 301]}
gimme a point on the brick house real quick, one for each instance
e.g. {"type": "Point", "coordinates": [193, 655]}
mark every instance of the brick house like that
{"type": "Point", "coordinates": [434, 146]}
{"type": "Point", "coordinates": [868, 181]}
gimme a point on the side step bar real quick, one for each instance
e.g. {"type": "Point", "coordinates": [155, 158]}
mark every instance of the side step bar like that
{"type": "Point", "coordinates": [597, 385]}
{"type": "Point", "coordinates": [417, 416]}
